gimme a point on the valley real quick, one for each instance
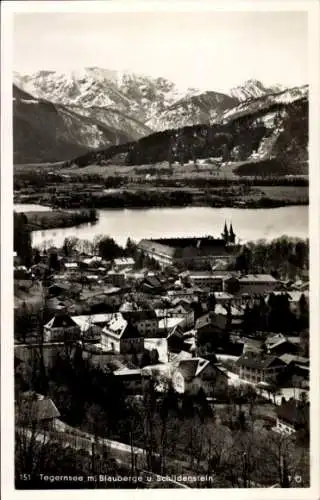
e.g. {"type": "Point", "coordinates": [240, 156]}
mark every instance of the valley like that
{"type": "Point", "coordinates": [96, 140]}
{"type": "Point", "coordinates": [117, 187]}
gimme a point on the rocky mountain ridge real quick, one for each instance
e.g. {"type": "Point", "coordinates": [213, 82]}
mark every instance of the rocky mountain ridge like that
{"type": "Point", "coordinates": [154, 102]}
{"type": "Point", "coordinates": [96, 108]}
{"type": "Point", "coordinates": [47, 132]}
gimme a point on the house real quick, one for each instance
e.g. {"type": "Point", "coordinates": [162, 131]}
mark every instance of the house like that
{"type": "Point", "coordinates": [175, 341]}
{"type": "Point", "coordinates": [71, 266]}
{"type": "Point", "coordinates": [123, 263]}
{"type": "Point", "coordinates": [274, 338]}
{"type": "Point", "coordinates": [120, 336]}
{"type": "Point", "coordinates": [223, 319]}
{"type": "Point", "coordinates": [252, 284]}
{"type": "Point", "coordinates": [91, 325]}
{"type": "Point", "coordinates": [258, 368]}
{"type": "Point", "coordinates": [195, 374]}
{"type": "Point", "coordinates": [278, 344]}
{"type": "Point", "coordinates": [298, 367]}
{"type": "Point", "coordinates": [151, 284]}
{"type": "Point", "coordinates": [292, 416]}
{"type": "Point", "coordinates": [131, 378]}
{"type": "Point", "coordinates": [294, 300]}
{"type": "Point", "coordinates": [35, 410]}
{"type": "Point", "coordinates": [145, 321]}
{"type": "Point", "coordinates": [116, 278]}
{"type": "Point", "coordinates": [223, 298]}
{"type": "Point", "coordinates": [91, 262]}
{"type": "Point", "coordinates": [206, 280]}
{"type": "Point", "coordinates": [159, 344]}
{"type": "Point", "coordinates": [208, 329]}
{"type": "Point", "coordinates": [186, 311]}
{"type": "Point", "coordinates": [179, 340]}
{"type": "Point", "coordinates": [175, 358]}
{"type": "Point", "coordinates": [250, 345]}
{"type": "Point", "coordinates": [282, 346]}
{"type": "Point", "coordinates": [61, 328]}
{"type": "Point", "coordinates": [59, 289]}
{"type": "Point", "coordinates": [168, 323]}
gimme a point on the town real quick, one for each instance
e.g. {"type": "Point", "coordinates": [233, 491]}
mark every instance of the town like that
{"type": "Point", "coordinates": [167, 358]}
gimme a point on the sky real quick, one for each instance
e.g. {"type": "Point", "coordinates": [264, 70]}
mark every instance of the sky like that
{"type": "Point", "coordinates": [206, 50]}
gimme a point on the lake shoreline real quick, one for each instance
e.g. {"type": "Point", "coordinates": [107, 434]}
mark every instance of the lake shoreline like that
{"type": "Point", "coordinates": [43, 220]}
{"type": "Point", "coordinates": [137, 224]}
{"type": "Point", "coordinates": [56, 217]}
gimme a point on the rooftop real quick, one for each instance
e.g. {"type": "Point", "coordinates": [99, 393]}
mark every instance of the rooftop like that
{"type": "Point", "coordinates": [263, 278]}
{"type": "Point", "coordinates": [291, 358]}
{"type": "Point", "coordinates": [191, 368]}
{"type": "Point", "coordinates": [34, 407]}
{"type": "Point", "coordinates": [260, 362]}
{"type": "Point", "coordinates": [124, 262]}
{"type": "Point", "coordinates": [61, 321]}
{"type": "Point", "coordinates": [169, 323]}
{"type": "Point", "coordinates": [120, 327]}
{"type": "Point", "coordinates": [200, 241]}
{"type": "Point", "coordinates": [223, 295]}
{"type": "Point", "coordinates": [140, 315]}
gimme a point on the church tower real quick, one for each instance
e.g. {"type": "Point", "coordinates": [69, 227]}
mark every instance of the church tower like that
{"type": "Point", "coordinates": [232, 236]}
{"type": "Point", "coordinates": [225, 234]}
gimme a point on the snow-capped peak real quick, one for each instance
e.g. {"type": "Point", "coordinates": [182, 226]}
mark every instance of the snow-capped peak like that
{"type": "Point", "coordinates": [252, 89]}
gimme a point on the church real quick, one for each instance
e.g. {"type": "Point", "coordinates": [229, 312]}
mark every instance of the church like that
{"type": "Point", "coordinates": [193, 250]}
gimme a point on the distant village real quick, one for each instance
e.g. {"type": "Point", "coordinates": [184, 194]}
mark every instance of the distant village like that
{"type": "Point", "coordinates": [174, 313]}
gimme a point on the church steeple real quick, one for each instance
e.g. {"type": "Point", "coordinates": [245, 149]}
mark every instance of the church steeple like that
{"type": "Point", "coordinates": [225, 234]}
{"type": "Point", "coordinates": [232, 236]}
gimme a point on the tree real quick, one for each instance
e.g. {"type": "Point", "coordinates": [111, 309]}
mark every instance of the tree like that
{"type": "Point", "coordinates": [37, 257]}
{"type": "Point", "coordinates": [303, 313]}
{"type": "Point", "coordinates": [304, 343]}
{"type": "Point", "coordinates": [211, 302]}
{"type": "Point", "coordinates": [131, 248]}
{"type": "Point", "coordinates": [22, 239]}
{"type": "Point", "coordinates": [282, 458]}
{"type": "Point", "coordinates": [53, 261]}
{"type": "Point", "coordinates": [108, 249]}
{"type": "Point", "coordinates": [70, 246]}
{"type": "Point", "coordinates": [149, 434]}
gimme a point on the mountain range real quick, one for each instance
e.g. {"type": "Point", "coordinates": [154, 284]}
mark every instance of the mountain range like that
{"type": "Point", "coordinates": [58, 116]}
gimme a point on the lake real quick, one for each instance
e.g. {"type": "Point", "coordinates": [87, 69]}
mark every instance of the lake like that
{"type": "Point", "coordinates": [248, 224]}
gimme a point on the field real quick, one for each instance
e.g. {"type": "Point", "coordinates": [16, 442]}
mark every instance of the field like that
{"type": "Point", "coordinates": [121, 186]}
{"type": "Point", "coordinates": [293, 193]}
{"type": "Point", "coordinates": [161, 169]}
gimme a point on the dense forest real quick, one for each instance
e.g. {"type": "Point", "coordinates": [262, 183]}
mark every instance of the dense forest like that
{"type": "Point", "coordinates": [284, 258]}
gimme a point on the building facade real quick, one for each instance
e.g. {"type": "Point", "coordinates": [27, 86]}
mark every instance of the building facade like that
{"type": "Point", "coordinates": [188, 251]}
